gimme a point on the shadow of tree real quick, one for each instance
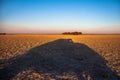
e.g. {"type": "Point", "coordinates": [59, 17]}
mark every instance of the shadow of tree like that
{"type": "Point", "coordinates": [58, 57]}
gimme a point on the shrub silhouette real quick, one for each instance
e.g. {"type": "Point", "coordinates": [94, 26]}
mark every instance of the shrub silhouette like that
{"type": "Point", "coordinates": [2, 33]}
{"type": "Point", "coordinates": [72, 33]}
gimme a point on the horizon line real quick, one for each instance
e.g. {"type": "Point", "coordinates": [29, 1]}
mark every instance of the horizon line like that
{"type": "Point", "coordinates": [60, 33]}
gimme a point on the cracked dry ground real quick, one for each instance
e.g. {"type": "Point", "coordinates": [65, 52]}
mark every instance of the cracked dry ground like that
{"type": "Point", "coordinates": [61, 59]}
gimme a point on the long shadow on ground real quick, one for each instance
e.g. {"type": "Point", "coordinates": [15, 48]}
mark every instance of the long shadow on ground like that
{"type": "Point", "coordinates": [58, 57]}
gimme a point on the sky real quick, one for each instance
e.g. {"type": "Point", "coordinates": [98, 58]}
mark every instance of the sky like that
{"type": "Point", "coordinates": [58, 16]}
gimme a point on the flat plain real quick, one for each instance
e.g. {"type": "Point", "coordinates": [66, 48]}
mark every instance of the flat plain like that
{"type": "Point", "coordinates": [14, 47]}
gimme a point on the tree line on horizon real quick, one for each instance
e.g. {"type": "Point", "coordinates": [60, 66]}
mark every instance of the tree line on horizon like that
{"type": "Point", "coordinates": [72, 33]}
{"type": "Point", "coordinates": [2, 33]}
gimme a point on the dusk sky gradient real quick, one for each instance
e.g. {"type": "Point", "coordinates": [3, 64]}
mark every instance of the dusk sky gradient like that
{"type": "Point", "coordinates": [57, 16]}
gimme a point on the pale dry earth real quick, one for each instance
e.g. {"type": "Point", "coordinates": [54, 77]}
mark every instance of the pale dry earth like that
{"type": "Point", "coordinates": [106, 46]}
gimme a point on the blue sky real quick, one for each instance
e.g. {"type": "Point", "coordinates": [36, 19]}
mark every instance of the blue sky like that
{"type": "Point", "coordinates": [57, 16]}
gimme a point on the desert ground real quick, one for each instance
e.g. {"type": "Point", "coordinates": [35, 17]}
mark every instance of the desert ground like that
{"type": "Point", "coordinates": [59, 57]}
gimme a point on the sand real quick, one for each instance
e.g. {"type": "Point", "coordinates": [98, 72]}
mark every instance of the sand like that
{"type": "Point", "coordinates": [58, 57]}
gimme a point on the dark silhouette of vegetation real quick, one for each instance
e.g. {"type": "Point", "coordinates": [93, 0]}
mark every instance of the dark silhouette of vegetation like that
{"type": "Point", "coordinates": [72, 33]}
{"type": "Point", "coordinates": [2, 33]}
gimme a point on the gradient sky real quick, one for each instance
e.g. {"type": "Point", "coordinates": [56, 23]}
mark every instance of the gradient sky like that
{"type": "Point", "coordinates": [57, 16]}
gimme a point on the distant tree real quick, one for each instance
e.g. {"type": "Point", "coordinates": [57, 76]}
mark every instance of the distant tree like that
{"type": "Point", "coordinates": [72, 33]}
